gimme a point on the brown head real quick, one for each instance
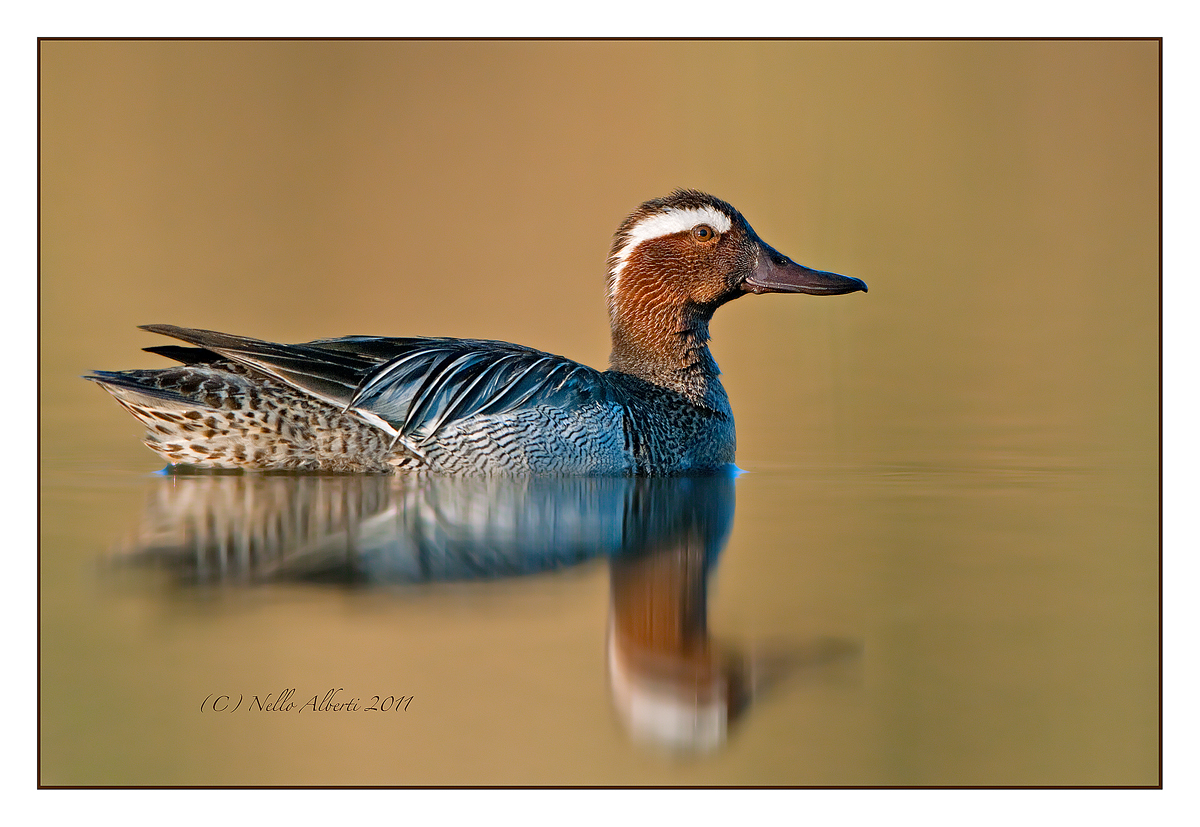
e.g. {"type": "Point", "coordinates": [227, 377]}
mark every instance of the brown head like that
{"type": "Point", "coordinates": [674, 261]}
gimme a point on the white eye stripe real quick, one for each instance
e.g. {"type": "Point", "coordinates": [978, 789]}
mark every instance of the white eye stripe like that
{"type": "Point", "coordinates": [671, 222]}
{"type": "Point", "coordinates": [661, 224]}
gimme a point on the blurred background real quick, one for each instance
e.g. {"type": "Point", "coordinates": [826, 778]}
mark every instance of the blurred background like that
{"type": "Point", "coordinates": [958, 470]}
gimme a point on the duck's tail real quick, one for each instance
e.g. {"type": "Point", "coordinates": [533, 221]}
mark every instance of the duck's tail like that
{"type": "Point", "coordinates": [221, 416]}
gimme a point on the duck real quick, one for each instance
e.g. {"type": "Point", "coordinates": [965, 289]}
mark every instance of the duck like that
{"type": "Point", "coordinates": [371, 404]}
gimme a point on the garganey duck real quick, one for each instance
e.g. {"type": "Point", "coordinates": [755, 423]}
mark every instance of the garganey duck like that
{"type": "Point", "coordinates": [371, 404]}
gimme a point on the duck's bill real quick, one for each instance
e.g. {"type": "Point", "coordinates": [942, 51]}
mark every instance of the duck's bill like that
{"type": "Point", "coordinates": [776, 273]}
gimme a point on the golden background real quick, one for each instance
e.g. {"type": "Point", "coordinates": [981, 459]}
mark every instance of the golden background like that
{"type": "Point", "coordinates": [973, 445]}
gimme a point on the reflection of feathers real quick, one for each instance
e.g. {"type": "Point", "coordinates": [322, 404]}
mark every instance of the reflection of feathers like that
{"type": "Point", "coordinates": [398, 530]}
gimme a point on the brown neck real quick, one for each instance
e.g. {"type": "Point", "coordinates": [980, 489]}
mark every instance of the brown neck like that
{"type": "Point", "coordinates": [669, 347]}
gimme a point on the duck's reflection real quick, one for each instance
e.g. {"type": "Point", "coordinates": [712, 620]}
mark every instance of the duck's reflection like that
{"type": "Point", "coordinates": [400, 530]}
{"type": "Point", "coordinates": [670, 683]}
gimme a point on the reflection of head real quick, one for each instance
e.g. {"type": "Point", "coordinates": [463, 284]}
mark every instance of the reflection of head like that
{"type": "Point", "coordinates": [681, 709]}
{"type": "Point", "coordinates": [669, 684]}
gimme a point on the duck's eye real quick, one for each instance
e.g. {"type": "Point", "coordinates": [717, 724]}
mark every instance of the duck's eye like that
{"type": "Point", "coordinates": [703, 232]}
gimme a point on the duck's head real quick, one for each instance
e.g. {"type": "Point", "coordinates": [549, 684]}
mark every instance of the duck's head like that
{"type": "Point", "coordinates": [677, 259]}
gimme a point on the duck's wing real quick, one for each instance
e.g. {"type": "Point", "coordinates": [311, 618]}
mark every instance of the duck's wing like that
{"type": "Point", "coordinates": [434, 382]}
{"type": "Point", "coordinates": [411, 387]}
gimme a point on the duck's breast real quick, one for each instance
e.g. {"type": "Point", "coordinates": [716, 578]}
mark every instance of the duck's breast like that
{"type": "Point", "coordinates": [668, 434]}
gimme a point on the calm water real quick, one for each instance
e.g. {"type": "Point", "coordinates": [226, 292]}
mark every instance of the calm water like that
{"type": "Point", "coordinates": [940, 567]}
{"type": "Point", "coordinates": [856, 626]}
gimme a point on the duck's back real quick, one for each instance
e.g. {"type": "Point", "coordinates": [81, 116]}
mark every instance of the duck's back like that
{"type": "Point", "coordinates": [377, 404]}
